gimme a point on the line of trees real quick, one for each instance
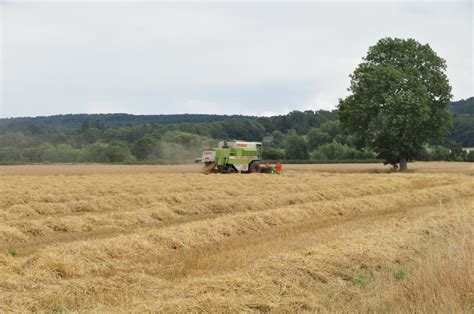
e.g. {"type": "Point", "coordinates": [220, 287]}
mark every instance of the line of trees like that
{"type": "Point", "coordinates": [328, 143]}
{"type": "Point", "coordinates": [172, 146]}
{"type": "Point", "coordinates": [96, 141]}
{"type": "Point", "coordinates": [308, 135]}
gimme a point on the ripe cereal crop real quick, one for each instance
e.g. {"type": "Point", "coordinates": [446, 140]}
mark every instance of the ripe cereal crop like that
{"type": "Point", "coordinates": [318, 238]}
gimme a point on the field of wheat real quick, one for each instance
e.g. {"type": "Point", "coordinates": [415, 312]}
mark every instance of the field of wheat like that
{"type": "Point", "coordinates": [317, 238]}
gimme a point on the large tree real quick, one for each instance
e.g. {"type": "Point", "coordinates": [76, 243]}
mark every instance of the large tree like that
{"type": "Point", "coordinates": [398, 100]}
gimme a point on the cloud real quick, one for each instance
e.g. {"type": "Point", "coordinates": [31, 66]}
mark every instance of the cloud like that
{"type": "Point", "coordinates": [245, 58]}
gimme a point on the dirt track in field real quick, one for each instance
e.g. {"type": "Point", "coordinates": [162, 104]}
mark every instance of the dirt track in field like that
{"type": "Point", "coordinates": [151, 238]}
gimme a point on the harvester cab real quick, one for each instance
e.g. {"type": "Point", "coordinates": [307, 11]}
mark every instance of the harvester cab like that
{"type": "Point", "coordinates": [231, 157]}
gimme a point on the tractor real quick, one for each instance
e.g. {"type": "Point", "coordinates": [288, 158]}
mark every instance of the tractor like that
{"type": "Point", "coordinates": [232, 157]}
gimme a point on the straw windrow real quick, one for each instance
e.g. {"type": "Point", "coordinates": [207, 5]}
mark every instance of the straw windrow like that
{"type": "Point", "coordinates": [304, 241]}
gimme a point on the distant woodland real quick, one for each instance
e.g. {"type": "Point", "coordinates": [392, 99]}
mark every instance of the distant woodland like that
{"type": "Point", "coordinates": [309, 136]}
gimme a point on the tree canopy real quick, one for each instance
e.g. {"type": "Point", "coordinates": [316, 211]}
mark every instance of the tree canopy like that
{"type": "Point", "coordinates": [398, 100]}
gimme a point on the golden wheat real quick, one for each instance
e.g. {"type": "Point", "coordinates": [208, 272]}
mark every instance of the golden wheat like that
{"type": "Point", "coordinates": [157, 238]}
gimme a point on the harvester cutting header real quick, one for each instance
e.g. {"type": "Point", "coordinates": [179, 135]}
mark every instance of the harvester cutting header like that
{"type": "Point", "coordinates": [232, 157]}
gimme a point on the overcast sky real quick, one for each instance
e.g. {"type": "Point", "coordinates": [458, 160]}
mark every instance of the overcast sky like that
{"type": "Point", "coordinates": [225, 58]}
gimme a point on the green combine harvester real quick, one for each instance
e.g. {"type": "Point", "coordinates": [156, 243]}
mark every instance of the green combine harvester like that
{"type": "Point", "coordinates": [232, 157]}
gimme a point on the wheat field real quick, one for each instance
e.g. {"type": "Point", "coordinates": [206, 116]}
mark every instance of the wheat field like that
{"type": "Point", "coordinates": [319, 238]}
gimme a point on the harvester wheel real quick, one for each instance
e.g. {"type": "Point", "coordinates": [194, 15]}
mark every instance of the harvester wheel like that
{"type": "Point", "coordinates": [254, 167]}
{"type": "Point", "coordinates": [231, 169]}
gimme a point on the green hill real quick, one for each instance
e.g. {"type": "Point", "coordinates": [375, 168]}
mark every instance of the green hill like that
{"type": "Point", "coordinates": [464, 106]}
{"type": "Point", "coordinates": [463, 121]}
{"type": "Point", "coordinates": [75, 121]}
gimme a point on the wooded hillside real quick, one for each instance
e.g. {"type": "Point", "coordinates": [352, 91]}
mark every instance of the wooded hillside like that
{"type": "Point", "coordinates": [308, 135]}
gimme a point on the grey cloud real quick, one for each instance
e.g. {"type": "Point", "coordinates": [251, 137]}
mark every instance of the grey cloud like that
{"type": "Point", "coordinates": [217, 58]}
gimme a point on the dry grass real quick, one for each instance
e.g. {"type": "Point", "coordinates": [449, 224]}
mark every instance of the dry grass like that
{"type": "Point", "coordinates": [442, 279]}
{"type": "Point", "coordinates": [157, 238]}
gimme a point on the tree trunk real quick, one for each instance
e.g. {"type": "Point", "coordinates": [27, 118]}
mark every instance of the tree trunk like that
{"type": "Point", "coordinates": [403, 164]}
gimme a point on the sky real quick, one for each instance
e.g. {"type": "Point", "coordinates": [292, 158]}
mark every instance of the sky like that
{"type": "Point", "coordinates": [263, 58]}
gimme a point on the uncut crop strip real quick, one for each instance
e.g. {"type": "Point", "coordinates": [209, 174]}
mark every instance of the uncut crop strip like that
{"type": "Point", "coordinates": [418, 167]}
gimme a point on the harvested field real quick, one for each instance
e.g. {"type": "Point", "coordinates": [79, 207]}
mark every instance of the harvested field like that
{"type": "Point", "coordinates": [77, 169]}
{"type": "Point", "coordinates": [167, 238]}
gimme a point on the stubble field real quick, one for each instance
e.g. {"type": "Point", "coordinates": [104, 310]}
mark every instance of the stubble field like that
{"type": "Point", "coordinates": [157, 238]}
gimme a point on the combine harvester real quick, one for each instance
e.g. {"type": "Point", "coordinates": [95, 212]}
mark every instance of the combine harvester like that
{"type": "Point", "coordinates": [232, 157]}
